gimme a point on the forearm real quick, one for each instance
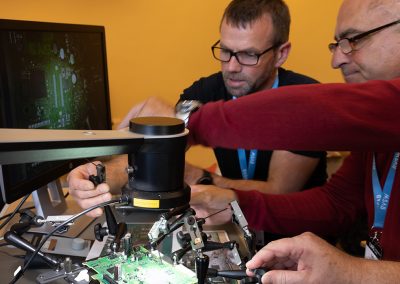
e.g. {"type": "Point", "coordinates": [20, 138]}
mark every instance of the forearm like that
{"type": "Point", "coordinates": [325, 210]}
{"type": "Point", "coordinates": [246, 185]}
{"type": "Point", "coordinates": [292, 214]}
{"type": "Point", "coordinates": [192, 173]}
{"type": "Point", "coordinates": [372, 271]}
{"type": "Point", "coordinates": [288, 172]}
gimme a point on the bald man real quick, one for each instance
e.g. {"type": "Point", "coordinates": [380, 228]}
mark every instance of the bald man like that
{"type": "Point", "coordinates": [362, 117]}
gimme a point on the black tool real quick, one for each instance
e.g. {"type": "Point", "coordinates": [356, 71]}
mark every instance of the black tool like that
{"type": "Point", "coordinates": [100, 176]}
{"type": "Point", "coordinates": [259, 272]}
{"type": "Point", "coordinates": [232, 274]}
{"type": "Point", "coordinates": [27, 220]}
{"type": "Point", "coordinates": [23, 244]}
{"type": "Point", "coordinates": [118, 230]}
{"type": "Point", "coordinates": [202, 262]}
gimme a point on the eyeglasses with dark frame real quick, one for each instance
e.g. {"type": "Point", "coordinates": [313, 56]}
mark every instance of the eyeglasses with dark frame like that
{"type": "Point", "coordinates": [243, 57]}
{"type": "Point", "coordinates": [347, 45]}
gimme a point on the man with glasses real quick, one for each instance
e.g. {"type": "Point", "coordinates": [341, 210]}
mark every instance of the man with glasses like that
{"type": "Point", "coordinates": [253, 45]}
{"type": "Point", "coordinates": [362, 117]}
{"type": "Point", "coordinates": [359, 117]}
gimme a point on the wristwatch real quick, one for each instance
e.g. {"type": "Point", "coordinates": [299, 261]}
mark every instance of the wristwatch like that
{"type": "Point", "coordinates": [184, 109]}
{"type": "Point", "coordinates": [206, 178]}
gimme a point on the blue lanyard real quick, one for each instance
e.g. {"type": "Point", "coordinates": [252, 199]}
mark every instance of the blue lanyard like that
{"type": "Point", "coordinates": [382, 197]}
{"type": "Point", "coordinates": [248, 170]}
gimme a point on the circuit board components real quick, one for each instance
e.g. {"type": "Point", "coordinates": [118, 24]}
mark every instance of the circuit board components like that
{"type": "Point", "coordinates": [140, 267]}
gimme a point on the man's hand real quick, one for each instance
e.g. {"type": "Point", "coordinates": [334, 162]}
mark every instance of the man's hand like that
{"type": "Point", "coordinates": [209, 199]}
{"type": "Point", "coordinates": [151, 107]}
{"type": "Point", "coordinates": [84, 191]}
{"type": "Point", "coordinates": [192, 173]}
{"type": "Point", "coordinates": [303, 259]}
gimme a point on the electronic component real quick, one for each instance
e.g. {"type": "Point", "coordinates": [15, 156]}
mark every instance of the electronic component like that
{"type": "Point", "coordinates": [155, 184]}
{"type": "Point", "coordinates": [142, 267]}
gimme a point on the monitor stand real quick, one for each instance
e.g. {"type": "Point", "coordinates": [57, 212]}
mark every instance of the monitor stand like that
{"type": "Point", "coordinates": [49, 201]}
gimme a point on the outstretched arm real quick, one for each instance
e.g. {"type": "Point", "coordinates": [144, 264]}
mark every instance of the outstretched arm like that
{"type": "Point", "coordinates": [305, 117]}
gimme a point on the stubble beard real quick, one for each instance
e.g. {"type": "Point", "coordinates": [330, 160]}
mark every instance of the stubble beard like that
{"type": "Point", "coordinates": [237, 92]}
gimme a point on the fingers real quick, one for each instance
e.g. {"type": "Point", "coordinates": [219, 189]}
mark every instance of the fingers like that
{"type": "Point", "coordinates": [276, 254]}
{"type": "Point", "coordinates": [156, 107]}
{"type": "Point", "coordinates": [89, 202]}
{"type": "Point", "coordinates": [283, 277]}
{"type": "Point", "coordinates": [95, 213]}
{"type": "Point", "coordinates": [81, 173]}
{"type": "Point", "coordinates": [84, 192]}
{"type": "Point", "coordinates": [198, 195]}
{"type": "Point", "coordinates": [150, 107]}
{"type": "Point", "coordinates": [131, 114]}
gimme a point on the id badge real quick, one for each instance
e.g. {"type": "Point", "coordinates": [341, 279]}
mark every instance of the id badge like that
{"type": "Point", "coordinates": [373, 249]}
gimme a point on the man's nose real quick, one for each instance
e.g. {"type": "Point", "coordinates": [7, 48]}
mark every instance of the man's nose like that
{"type": "Point", "coordinates": [339, 58]}
{"type": "Point", "coordinates": [233, 65]}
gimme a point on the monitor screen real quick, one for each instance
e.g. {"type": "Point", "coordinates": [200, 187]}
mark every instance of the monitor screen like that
{"type": "Point", "coordinates": [51, 76]}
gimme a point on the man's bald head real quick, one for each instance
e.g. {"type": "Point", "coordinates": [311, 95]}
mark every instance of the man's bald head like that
{"type": "Point", "coordinates": [377, 55]}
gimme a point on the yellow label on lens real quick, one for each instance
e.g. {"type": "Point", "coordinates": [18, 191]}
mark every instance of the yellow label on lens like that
{"type": "Point", "coordinates": [145, 203]}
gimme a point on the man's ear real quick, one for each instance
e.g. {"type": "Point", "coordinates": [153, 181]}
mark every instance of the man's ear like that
{"type": "Point", "coordinates": [282, 54]}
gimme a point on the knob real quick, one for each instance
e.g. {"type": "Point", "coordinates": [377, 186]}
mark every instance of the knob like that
{"type": "Point", "coordinates": [100, 232]}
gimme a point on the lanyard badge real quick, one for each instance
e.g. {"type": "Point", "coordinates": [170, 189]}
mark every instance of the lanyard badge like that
{"type": "Point", "coordinates": [374, 250]}
{"type": "Point", "coordinates": [248, 169]}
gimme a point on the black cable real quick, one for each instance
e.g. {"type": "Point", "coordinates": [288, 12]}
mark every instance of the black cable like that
{"type": "Point", "coordinates": [15, 211]}
{"type": "Point", "coordinates": [216, 213]}
{"type": "Point", "coordinates": [21, 272]}
{"type": "Point", "coordinates": [26, 208]}
{"type": "Point", "coordinates": [19, 211]}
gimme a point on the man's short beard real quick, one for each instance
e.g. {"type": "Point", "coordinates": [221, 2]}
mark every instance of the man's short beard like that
{"type": "Point", "coordinates": [244, 92]}
{"type": "Point", "coordinates": [238, 92]}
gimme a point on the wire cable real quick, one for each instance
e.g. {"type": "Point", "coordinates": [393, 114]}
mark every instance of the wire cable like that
{"type": "Point", "coordinates": [19, 211]}
{"type": "Point", "coordinates": [22, 270]}
{"type": "Point", "coordinates": [26, 208]}
{"type": "Point", "coordinates": [15, 211]}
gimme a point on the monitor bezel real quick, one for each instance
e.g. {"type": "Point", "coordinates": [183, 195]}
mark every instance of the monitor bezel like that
{"type": "Point", "coordinates": [11, 193]}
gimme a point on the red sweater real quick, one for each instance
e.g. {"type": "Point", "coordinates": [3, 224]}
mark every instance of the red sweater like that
{"type": "Point", "coordinates": [357, 117]}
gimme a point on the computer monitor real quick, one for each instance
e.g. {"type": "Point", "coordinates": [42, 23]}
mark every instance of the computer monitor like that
{"type": "Point", "coordinates": [3, 206]}
{"type": "Point", "coordinates": [52, 75]}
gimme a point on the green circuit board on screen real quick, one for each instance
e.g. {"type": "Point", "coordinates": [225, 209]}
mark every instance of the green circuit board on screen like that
{"type": "Point", "coordinates": [142, 267]}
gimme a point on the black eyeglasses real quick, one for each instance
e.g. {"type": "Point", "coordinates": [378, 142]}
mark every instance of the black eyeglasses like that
{"type": "Point", "coordinates": [348, 45]}
{"type": "Point", "coordinates": [243, 57]}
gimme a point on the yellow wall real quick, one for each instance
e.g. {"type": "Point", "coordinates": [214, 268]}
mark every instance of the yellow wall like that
{"type": "Point", "coordinates": [159, 47]}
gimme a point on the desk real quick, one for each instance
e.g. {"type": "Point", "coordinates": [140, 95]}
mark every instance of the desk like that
{"type": "Point", "coordinates": [9, 264]}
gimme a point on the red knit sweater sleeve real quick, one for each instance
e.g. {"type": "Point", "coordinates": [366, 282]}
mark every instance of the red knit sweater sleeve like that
{"type": "Point", "coordinates": [325, 210]}
{"type": "Point", "coordinates": [305, 117]}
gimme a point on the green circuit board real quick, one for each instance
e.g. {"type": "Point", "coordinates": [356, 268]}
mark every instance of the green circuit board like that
{"type": "Point", "coordinates": [142, 267]}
